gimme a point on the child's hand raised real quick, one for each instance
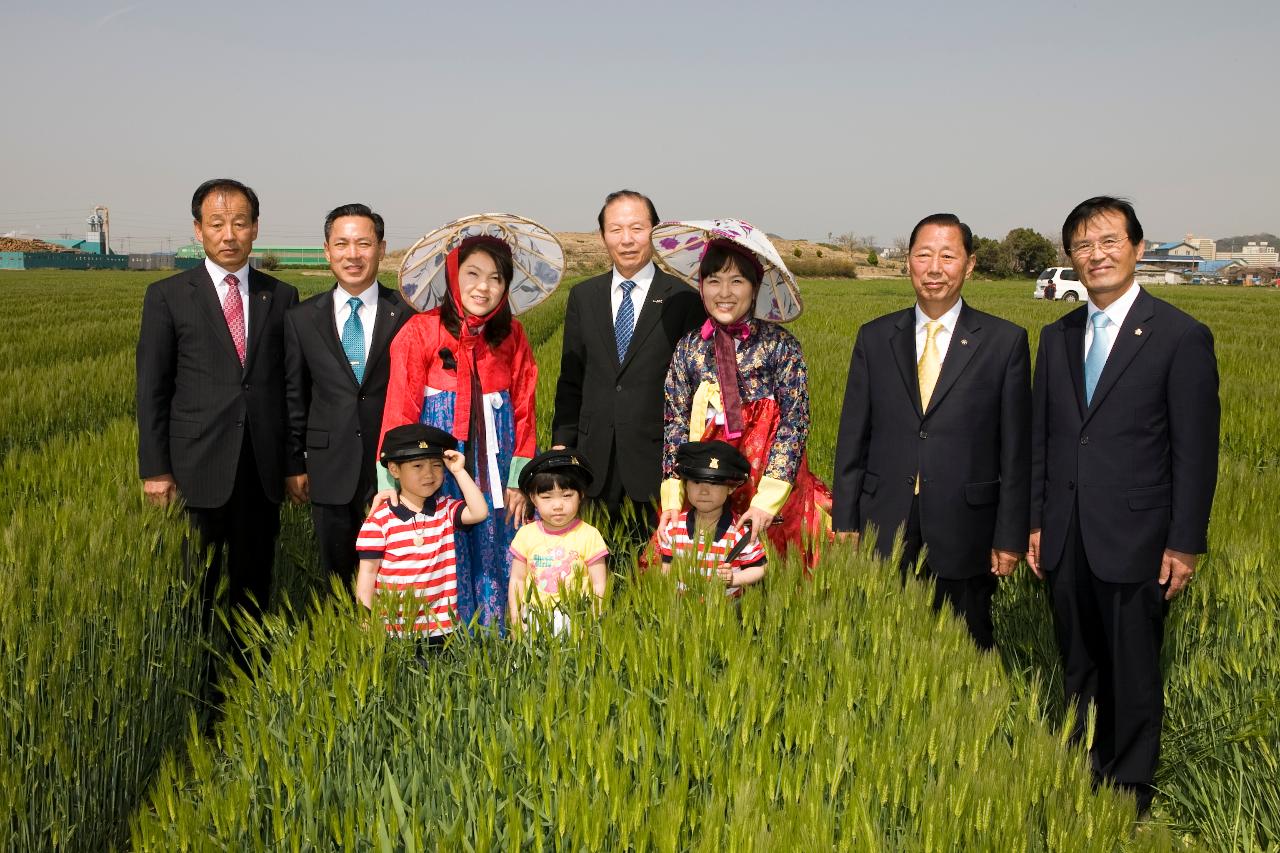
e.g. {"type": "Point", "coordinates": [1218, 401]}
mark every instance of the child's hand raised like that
{"type": "Point", "coordinates": [454, 461]}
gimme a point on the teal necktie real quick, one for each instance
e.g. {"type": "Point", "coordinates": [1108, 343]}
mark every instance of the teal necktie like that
{"type": "Point", "coordinates": [353, 339]}
{"type": "Point", "coordinates": [1097, 357]}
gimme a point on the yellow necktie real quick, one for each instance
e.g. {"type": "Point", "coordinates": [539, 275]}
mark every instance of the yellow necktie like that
{"type": "Point", "coordinates": [927, 370]}
{"type": "Point", "coordinates": [930, 364]}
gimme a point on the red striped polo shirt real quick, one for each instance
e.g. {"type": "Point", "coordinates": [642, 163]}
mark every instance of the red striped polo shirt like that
{"type": "Point", "coordinates": [678, 539]}
{"type": "Point", "coordinates": [427, 570]}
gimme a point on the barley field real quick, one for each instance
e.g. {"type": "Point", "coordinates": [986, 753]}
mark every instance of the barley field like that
{"type": "Point", "coordinates": [834, 714]}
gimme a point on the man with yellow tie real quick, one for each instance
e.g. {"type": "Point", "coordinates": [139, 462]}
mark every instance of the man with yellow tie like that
{"type": "Point", "coordinates": [934, 434]}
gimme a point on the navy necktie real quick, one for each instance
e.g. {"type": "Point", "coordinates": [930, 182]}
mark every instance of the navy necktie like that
{"type": "Point", "coordinates": [353, 339]}
{"type": "Point", "coordinates": [625, 323]}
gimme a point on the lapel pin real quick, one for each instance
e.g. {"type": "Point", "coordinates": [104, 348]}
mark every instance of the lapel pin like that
{"type": "Point", "coordinates": [656, 301]}
{"type": "Point", "coordinates": [964, 342]}
{"type": "Point", "coordinates": [1138, 332]}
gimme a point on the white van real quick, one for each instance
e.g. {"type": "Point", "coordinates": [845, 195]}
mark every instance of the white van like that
{"type": "Point", "coordinates": [1067, 286]}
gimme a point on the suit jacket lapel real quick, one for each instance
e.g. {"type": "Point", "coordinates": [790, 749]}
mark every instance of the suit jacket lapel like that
{"type": "Point", "coordinates": [260, 294]}
{"type": "Point", "coordinates": [600, 315]}
{"type": "Point", "coordinates": [650, 313]}
{"type": "Point", "coordinates": [903, 344]}
{"type": "Point", "coordinates": [1131, 337]}
{"type": "Point", "coordinates": [389, 308]}
{"type": "Point", "coordinates": [328, 331]}
{"type": "Point", "coordinates": [965, 340]}
{"type": "Point", "coordinates": [205, 293]}
{"type": "Point", "coordinates": [1073, 338]}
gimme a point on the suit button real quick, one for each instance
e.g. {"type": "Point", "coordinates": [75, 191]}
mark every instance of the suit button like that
{"type": "Point", "coordinates": [246, 386]}
{"type": "Point", "coordinates": [364, 397]}
{"type": "Point", "coordinates": [1071, 485]}
{"type": "Point", "coordinates": [1084, 439]}
{"type": "Point", "coordinates": [924, 434]}
{"type": "Point", "coordinates": [911, 480]}
{"type": "Point", "coordinates": [239, 424]}
{"type": "Point", "coordinates": [357, 433]}
{"type": "Point", "coordinates": [617, 387]}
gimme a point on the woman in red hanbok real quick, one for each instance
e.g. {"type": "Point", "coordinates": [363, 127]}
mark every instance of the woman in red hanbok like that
{"type": "Point", "coordinates": [466, 367]}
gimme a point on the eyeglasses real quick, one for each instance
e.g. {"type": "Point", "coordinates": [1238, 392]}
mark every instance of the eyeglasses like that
{"type": "Point", "coordinates": [1108, 245]}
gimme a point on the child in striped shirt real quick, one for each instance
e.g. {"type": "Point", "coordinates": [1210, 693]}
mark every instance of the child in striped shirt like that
{"type": "Point", "coordinates": [706, 531]}
{"type": "Point", "coordinates": [408, 549]}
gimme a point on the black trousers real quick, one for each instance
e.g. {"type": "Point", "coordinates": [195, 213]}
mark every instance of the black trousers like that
{"type": "Point", "coordinates": [970, 598]}
{"type": "Point", "coordinates": [337, 526]}
{"type": "Point", "coordinates": [239, 538]}
{"type": "Point", "coordinates": [1110, 635]}
{"type": "Point", "coordinates": [627, 526]}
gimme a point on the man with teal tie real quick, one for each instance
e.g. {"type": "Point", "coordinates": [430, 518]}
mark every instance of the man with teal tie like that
{"type": "Point", "coordinates": [337, 361]}
{"type": "Point", "coordinates": [1125, 419]}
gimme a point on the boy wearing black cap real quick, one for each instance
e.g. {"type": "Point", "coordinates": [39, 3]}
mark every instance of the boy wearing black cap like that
{"type": "Point", "coordinates": [408, 548]}
{"type": "Point", "coordinates": [706, 532]}
{"type": "Point", "coordinates": [559, 551]}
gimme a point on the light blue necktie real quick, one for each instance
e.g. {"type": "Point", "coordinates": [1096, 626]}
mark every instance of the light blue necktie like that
{"type": "Point", "coordinates": [624, 325]}
{"type": "Point", "coordinates": [353, 338]}
{"type": "Point", "coordinates": [1097, 357]}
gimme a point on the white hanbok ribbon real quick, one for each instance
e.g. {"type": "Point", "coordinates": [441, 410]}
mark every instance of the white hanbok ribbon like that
{"type": "Point", "coordinates": [496, 485]}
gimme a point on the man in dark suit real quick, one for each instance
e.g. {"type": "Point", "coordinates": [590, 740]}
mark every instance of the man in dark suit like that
{"type": "Point", "coordinates": [1124, 465]}
{"type": "Point", "coordinates": [620, 329]}
{"type": "Point", "coordinates": [211, 420]}
{"type": "Point", "coordinates": [934, 431]}
{"type": "Point", "coordinates": [337, 360]}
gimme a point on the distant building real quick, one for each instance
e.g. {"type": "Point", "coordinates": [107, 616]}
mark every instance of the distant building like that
{"type": "Point", "coordinates": [1220, 269]}
{"type": "Point", "coordinates": [286, 256]}
{"type": "Point", "coordinates": [1179, 257]}
{"type": "Point", "coordinates": [1205, 247]}
{"type": "Point", "coordinates": [1258, 255]}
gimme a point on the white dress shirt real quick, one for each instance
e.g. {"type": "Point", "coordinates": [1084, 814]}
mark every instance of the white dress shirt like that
{"type": "Point", "coordinates": [943, 338]}
{"type": "Point", "coordinates": [368, 312]}
{"type": "Point", "coordinates": [1116, 311]}
{"type": "Point", "coordinates": [219, 275]}
{"type": "Point", "coordinates": [642, 280]}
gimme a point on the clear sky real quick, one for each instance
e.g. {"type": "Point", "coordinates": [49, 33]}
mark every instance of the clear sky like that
{"type": "Point", "coordinates": [804, 118]}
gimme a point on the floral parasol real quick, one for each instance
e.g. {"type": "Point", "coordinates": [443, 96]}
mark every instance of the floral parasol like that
{"type": "Point", "coordinates": [679, 246]}
{"type": "Point", "coordinates": [537, 256]}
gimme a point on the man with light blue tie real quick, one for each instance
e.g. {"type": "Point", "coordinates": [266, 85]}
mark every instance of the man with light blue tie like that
{"type": "Point", "coordinates": [1125, 420]}
{"type": "Point", "coordinates": [337, 361]}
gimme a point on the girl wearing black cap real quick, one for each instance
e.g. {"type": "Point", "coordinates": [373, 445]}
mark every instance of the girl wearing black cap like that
{"type": "Point", "coordinates": [559, 552]}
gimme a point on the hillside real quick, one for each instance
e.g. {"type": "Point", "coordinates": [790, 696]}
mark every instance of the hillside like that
{"type": "Point", "coordinates": [1236, 244]}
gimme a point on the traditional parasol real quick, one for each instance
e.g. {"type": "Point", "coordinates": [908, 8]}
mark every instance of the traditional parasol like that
{"type": "Point", "coordinates": [537, 256]}
{"type": "Point", "coordinates": [679, 246]}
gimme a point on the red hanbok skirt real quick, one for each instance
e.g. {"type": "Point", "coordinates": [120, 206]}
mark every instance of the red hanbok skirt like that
{"type": "Point", "coordinates": [805, 519]}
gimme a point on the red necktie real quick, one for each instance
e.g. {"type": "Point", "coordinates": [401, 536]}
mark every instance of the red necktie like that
{"type": "Point", "coordinates": [233, 310]}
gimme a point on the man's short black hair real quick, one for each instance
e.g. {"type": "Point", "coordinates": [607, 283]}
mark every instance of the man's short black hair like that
{"type": "Point", "coordinates": [944, 220]}
{"type": "Point", "coordinates": [614, 196]}
{"type": "Point", "coordinates": [355, 209]}
{"type": "Point", "coordinates": [226, 185]}
{"type": "Point", "coordinates": [1089, 208]}
{"type": "Point", "coordinates": [559, 478]}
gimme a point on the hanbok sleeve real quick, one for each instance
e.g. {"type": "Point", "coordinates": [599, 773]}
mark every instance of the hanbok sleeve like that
{"type": "Point", "coordinates": [681, 381]}
{"type": "Point", "coordinates": [524, 390]}
{"type": "Point", "coordinates": [408, 380]}
{"type": "Point", "coordinates": [791, 390]}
